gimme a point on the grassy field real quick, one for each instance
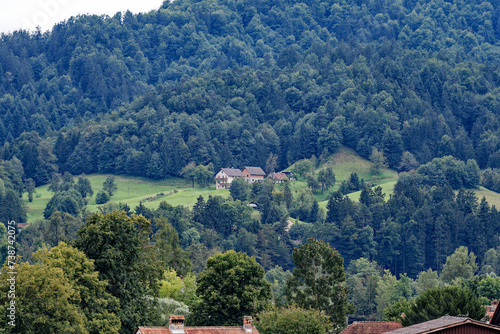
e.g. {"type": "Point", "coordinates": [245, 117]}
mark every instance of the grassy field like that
{"type": "Point", "coordinates": [131, 191]}
{"type": "Point", "coordinates": [344, 162]}
{"type": "Point", "coordinates": [176, 191]}
{"type": "Point", "coordinates": [492, 197]}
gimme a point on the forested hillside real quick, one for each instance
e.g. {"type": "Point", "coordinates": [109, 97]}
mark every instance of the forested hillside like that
{"type": "Point", "coordinates": [194, 86]}
{"type": "Point", "coordinates": [231, 82]}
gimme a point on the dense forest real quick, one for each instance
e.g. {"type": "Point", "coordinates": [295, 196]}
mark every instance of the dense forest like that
{"type": "Point", "coordinates": [229, 83]}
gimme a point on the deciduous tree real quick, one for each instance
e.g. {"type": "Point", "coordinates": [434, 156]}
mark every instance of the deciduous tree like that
{"type": "Point", "coordinates": [318, 281]}
{"type": "Point", "coordinates": [293, 319]}
{"type": "Point", "coordinates": [119, 245]}
{"type": "Point", "coordinates": [232, 286]}
{"type": "Point", "coordinates": [460, 264]}
{"type": "Point", "coordinates": [438, 302]}
{"type": "Point", "coordinates": [109, 185]}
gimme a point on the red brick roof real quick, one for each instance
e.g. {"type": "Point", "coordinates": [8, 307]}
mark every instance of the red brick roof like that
{"type": "Point", "coordinates": [197, 330]}
{"type": "Point", "coordinates": [371, 327]}
{"type": "Point", "coordinates": [277, 176]}
{"type": "Point", "coordinates": [152, 330]}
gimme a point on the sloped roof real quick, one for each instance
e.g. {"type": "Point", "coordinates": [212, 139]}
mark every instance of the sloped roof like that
{"type": "Point", "coordinates": [197, 330]}
{"type": "Point", "coordinates": [495, 318]}
{"type": "Point", "coordinates": [255, 171]}
{"type": "Point", "coordinates": [277, 176]}
{"type": "Point", "coordinates": [233, 172]}
{"type": "Point", "coordinates": [442, 323]}
{"type": "Point", "coordinates": [371, 327]}
{"type": "Point", "coordinates": [152, 330]}
{"type": "Point", "coordinates": [218, 330]}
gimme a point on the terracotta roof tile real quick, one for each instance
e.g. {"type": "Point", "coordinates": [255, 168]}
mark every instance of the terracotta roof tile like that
{"type": "Point", "coordinates": [153, 330]}
{"type": "Point", "coordinates": [197, 330]}
{"type": "Point", "coordinates": [277, 176]}
{"type": "Point", "coordinates": [255, 171]}
{"type": "Point", "coordinates": [371, 327]}
{"type": "Point", "coordinates": [218, 330]}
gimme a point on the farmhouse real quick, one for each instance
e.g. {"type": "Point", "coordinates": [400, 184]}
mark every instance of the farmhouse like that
{"type": "Point", "coordinates": [225, 176]}
{"type": "Point", "coordinates": [253, 174]}
{"type": "Point", "coordinates": [176, 325]}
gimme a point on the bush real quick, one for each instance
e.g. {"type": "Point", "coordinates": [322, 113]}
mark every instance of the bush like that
{"type": "Point", "coordinates": [438, 302]}
{"type": "Point", "coordinates": [102, 197]}
{"type": "Point", "coordinates": [293, 319]}
{"type": "Point", "coordinates": [68, 201]}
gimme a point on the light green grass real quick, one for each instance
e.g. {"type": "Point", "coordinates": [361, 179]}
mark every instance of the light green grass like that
{"type": "Point", "coordinates": [492, 197]}
{"type": "Point", "coordinates": [344, 162]}
{"type": "Point", "coordinates": [131, 190]}
{"type": "Point", "coordinates": [176, 191]}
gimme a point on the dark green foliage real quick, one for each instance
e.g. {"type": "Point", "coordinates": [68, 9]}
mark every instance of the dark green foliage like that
{"type": "Point", "coordinates": [362, 279]}
{"type": "Point", "coordinates": [84, 187]}
{"type": "Point", "coordinates": [352, 184]}
{"type": "Point", "coordinates": [490, 178]}
{"type": "Point", "coordinates": [287, 195]}
{"type": "Point", "coordinates": [29, 186]}
{"type": "Point", "coordinates": [305, 207]}
{"type": "Point", "coordinates": [119, 245]}
{"type": "Point", "coordinates": [55, 183]}
{"type": "Point", "coordinates": [326, 177]}
{"type": "Point", "coordinates": [109, 186]}
{"type": "Point", "coordinates": [232, 285]}
{"type": "Point", "coordinates": [200, 174]}
{"type": "Point", "coordinates": [11, 207]}
{"type": "Point", "coordinates": [452, 171]}
{"type": "Point", "coordinates": [436, 303]}
{"type": "Point", "coordinates": [168, 248]}
{"type": "Point", "coordinates": [69, 201]}
{"type": "Point", "coordinates": [114, 102]}
{"type": "Point", "coordinates": [239, 189]}
{"type": "Point", "coordinates": [318, 282]}
{"type": "Point", "coordinates": [61, 226]}
{"type": "Point", "coordinates": [278, 277]}
{"type": "Point", "coordinates": [102, 197]}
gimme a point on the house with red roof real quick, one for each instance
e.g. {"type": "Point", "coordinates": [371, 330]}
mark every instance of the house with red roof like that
{"type": "Point", "coordinates": [176, 326]}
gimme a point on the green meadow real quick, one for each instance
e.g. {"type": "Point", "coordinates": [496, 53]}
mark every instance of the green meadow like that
{"type": "Point", "coordinates": [132, 191]}
{"type": "Point", "coordinates": [177, 191]}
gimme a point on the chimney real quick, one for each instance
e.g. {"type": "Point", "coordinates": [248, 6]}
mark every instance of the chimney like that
{"type": "Point", "coordinates": [176, 324]}
{"type": "Point", "coordinates": [247, 324]}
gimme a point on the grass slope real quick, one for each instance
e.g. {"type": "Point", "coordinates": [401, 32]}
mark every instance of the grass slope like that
{"type": "Point", "coordinates": [131, 190]}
